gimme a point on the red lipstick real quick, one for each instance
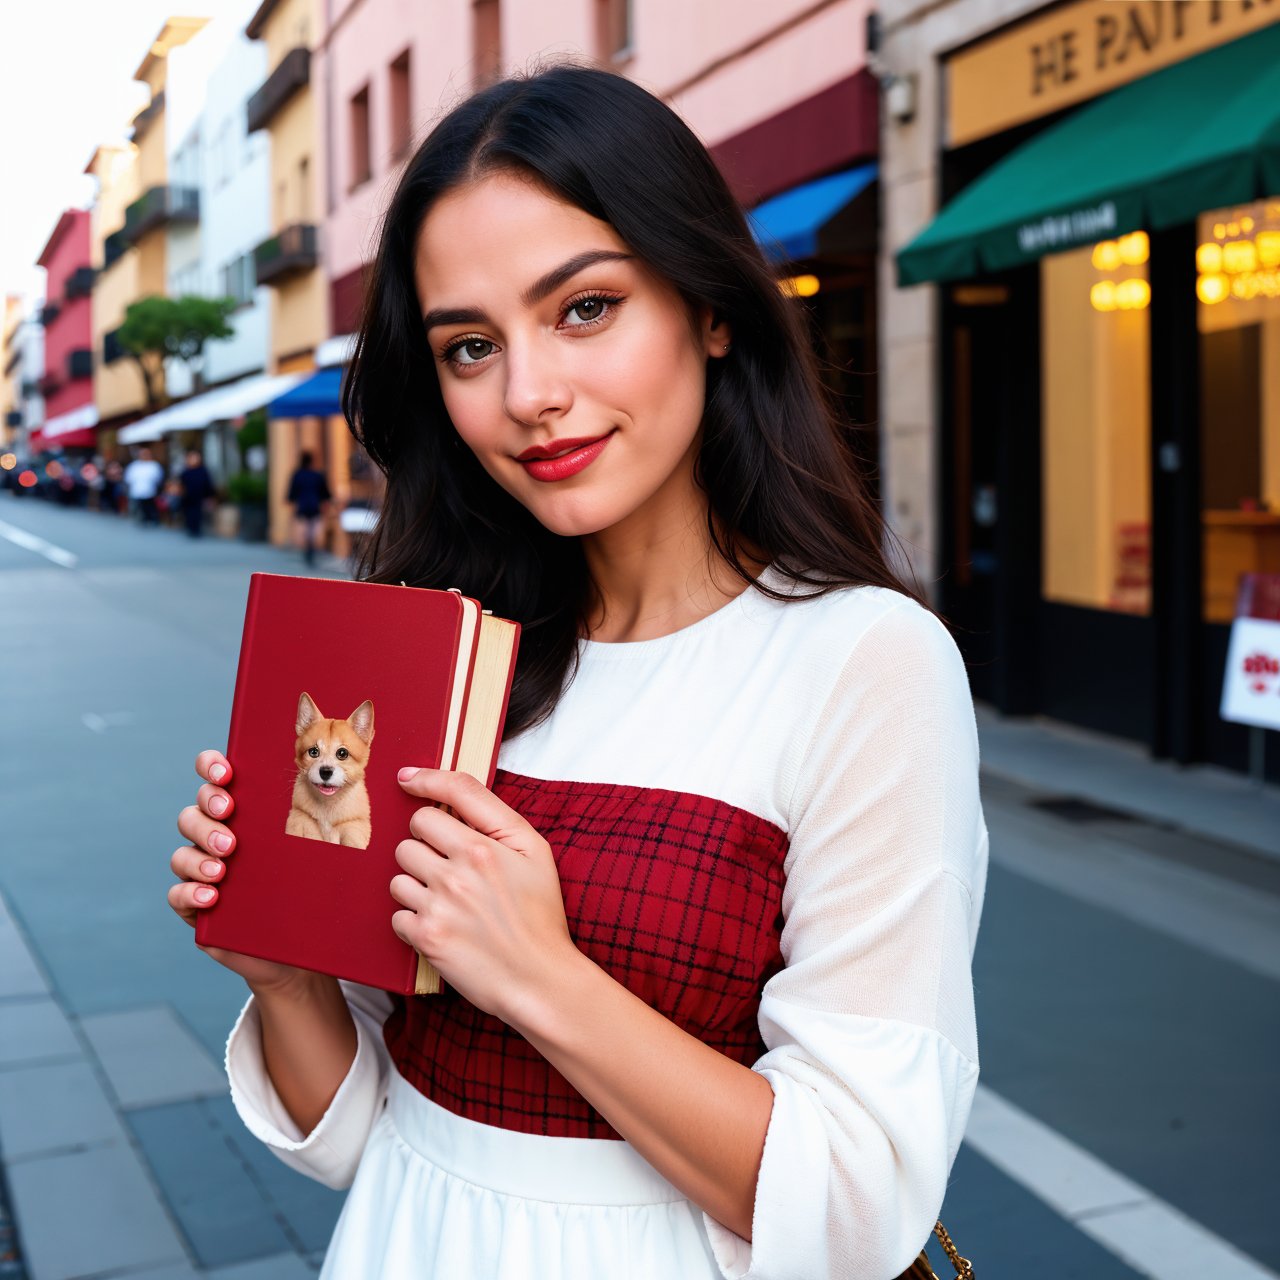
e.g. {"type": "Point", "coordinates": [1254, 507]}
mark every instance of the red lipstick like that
{"type": "Point", "coordinates": [562, 458]}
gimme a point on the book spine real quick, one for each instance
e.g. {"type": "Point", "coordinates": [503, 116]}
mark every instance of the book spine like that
{"type": "Point", "coordinates": [502, 715]}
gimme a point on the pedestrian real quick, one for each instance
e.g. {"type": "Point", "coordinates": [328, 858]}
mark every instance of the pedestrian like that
{"type": "Point", "coordinates": [115, 494]}
{"type": "Point", "coordinates": [144, 478]}
{"type": "Point", "coordinates": [706, 940]}
{"type": "Point", "coordinates": [197, 488]}
{"type": "Point", "coordinates": [309, 493]}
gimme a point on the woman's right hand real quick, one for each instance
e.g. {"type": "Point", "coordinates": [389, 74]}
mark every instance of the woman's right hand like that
{"type": "Point", "coordinates": [201, 865]}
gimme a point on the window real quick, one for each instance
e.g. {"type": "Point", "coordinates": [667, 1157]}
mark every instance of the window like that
{"type": "Point", "coordinates": [1096, 394]}
{"type": "Point", "coordinates": [613, 29]}
{"type": "Point", "coordinates": [360, 148]}
{"type": "Point", "coordinates": [238, 279]}
{"type": "Point", "coordinates": [304, 189]}
{"type": "Point", "coordinates": [486, 27]}
{"type": "Point", "coordinates": [401, 131]}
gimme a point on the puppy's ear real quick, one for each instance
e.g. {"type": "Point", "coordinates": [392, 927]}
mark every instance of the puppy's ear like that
{"type": "Point", "coordinates": [361, 720]}
{"type": "Point", "coordinates": [308, 714]}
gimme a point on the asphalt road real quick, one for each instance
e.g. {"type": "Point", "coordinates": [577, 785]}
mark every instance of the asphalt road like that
{"type": "Point", "coordinates": [1127, 991]}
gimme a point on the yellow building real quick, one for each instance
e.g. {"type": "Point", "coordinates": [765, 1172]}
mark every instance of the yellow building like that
{"type": "Point", "coordinates": [134, 205]}
{"type": "Point", "coordinates": [11, 381]}
{"type": "Point", "coordinates": [289, 260]}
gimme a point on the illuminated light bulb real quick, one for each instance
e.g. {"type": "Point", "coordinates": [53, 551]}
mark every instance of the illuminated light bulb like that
{"type": "Point", "coordinates": [1209, 258]}
{"type": "Point", "coordinates": [1238, 256]}
{"type": "Point", "coordinates": [1103, 296]}
{"type": "Point", "coordinates": [1219, 230]}
{"type": "Point", "coordinates": [1245, 287]}
{"type": "Point", "coordinates": [1212, 289]}
{"type": "Point", "coordinates": [1135, 249]}
{"type": "Point", "coordinates": [1133, 295]}
{"type": "Point", "coordinates": [8, 461]}
{"type": "Point", "coordinates": [1233, 229]}
{"type": "Point", "coordinates": [1268, 246]}
{"type": "Point", "coordinates": [1246, 224]}
{"type": "Point", "coordinates": [1106, 255]}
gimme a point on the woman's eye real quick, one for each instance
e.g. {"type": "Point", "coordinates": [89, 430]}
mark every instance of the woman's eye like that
{"type": "Point", "coordinates": [472, 351]}
{"type": "Point", "coordinates": [342, 753]}
{"type": "Point", "coordinates": [313, 752]}
{"type": "Point", "coordinates": [588, 310]}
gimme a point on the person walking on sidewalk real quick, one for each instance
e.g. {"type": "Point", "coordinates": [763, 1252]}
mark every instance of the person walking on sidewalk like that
{"type": "Point", "coordinates": [309, 493]}
{"type": "Point", "coordinates": [143, 478]}
{"type": "Point", "coordinates": [197, 489]}
{"type": "Point", "coordinates": [706, 940]}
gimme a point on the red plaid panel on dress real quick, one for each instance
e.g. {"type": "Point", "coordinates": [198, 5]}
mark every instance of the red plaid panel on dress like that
{"type": "Point", "coordinates": [676, 896]}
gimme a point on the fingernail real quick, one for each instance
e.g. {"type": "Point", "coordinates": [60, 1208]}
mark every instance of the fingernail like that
{"type": "Point", "coordinates": [210, 868]}
{"type": "Point", "coordinates": [217, 804]}
{"type": "Point", "coordinates": [216, 772]}
{"type": "Point", "coordinates": [220, 842]}
{"type": "Point", "coordinates": [205, 894]}
{"type": "Point", "coordinates": [405, 774]}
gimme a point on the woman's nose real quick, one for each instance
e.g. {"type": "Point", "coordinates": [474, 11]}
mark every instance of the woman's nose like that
{"type": "Point", "coordinates": [536, 385]}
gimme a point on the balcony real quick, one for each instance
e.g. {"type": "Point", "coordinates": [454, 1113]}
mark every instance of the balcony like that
{"type": "Point", "coordinates": [30, 387]}
{"type": "Point", "coordinates": [79, 283]}
{"type": "Point", "coordinates": [49, 313]}
{"type": "Point", "coordinates": [113, 247]}
{"type": "Point", "coordinates": [292, 72]}
{"type": "Point", "coordinates": [111, 348]}
{"type": "Point", "coordinates": [79, 364]}
{"type": "Point", "coordinates": [289, 252]}
{"type": "Point", "coordinates": [159, 206]}
{"type": "Point", "coordinates": [50, 383]}
{"type": "Point", "coordinates": [13, 418]}
{"type": "Point", "coordinates": [147, 116]}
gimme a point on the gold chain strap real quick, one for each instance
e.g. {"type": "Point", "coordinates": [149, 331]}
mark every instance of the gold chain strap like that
{"type": "Point", "coordinates": [964, 1268]}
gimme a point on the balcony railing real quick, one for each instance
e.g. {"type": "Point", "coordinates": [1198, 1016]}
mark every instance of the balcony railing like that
{"type": "Point", "coordinates": [292, 72]}
{"type": "Point", "coordinates": [13, 418]}
{"type": "Point", "coordinates": [79, 363]}
{"type": "Point", "coordinates": [113, 247]}
{"type": "Point", "coordinates": [147, 116]}
{"type": "Point", "coordinates": [158, 206]}
{"type": "Point", "coordinates": [30, 387]}
{"type": "Point", "coordinates": [50, 383]}
{"type": "Point", "coordinates": [49, 312]}
{"type": "Point", "coordinates": [79, 283]}
{"type": "Point", "coordinates": [289, 252]}
{"type": "Point", "coordinates": [111, 348]}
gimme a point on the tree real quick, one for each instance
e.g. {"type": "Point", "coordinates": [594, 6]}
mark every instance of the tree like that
{"type": "Point", "coordinates": [157, 330]}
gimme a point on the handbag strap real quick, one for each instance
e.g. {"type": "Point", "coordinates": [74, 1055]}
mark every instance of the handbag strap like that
{"type": "Point", "coordinates": [921, 1269]}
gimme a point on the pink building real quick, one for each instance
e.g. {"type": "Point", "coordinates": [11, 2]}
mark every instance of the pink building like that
{"type": "Point", "coordinates": [778, 89]}
{"type": "Point", "coordinates": [67, 385]}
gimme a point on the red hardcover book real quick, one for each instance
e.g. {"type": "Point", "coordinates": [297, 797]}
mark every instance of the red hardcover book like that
{"type": "Point", "coordinates": [340, 685]}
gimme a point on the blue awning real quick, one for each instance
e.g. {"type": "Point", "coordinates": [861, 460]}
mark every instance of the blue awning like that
{"type": "Point", "coordinates": [317, 397]}
{"type": "Point", "coordinates": [787, 225]}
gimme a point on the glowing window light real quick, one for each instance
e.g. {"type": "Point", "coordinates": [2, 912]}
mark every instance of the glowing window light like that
{"type": "Point", "coordinates": [1135, 249]}
{"type": "Point", "coordinates": [1238, 256]}
{"type": "Point", "coordinates": [1211, 289]}
{"type": "Point", "coordinates": [1268, 246]}
{"type": "Point", "coordinates": [1106, 255]}
{"type": "Point", "coordinates": [1209, 259]}
{"type": "Point", "coordinates": [1103, 296]}
{"type": "Point", "coordinates": [1133, 295]}
{"type": "Point", "coordinates": [800, 286]}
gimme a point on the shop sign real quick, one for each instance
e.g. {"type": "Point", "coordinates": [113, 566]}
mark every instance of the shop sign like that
{"type": "Point", "coordinates": [1251, 688]}
{"type": "Point", "coordinates": [1080, 50]}
{"type": "Point", "coordinates": [1062, 231]}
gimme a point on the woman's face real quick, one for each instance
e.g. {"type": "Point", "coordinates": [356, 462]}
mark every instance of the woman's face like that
{"type": "Point", "coordinates": [547, 336]}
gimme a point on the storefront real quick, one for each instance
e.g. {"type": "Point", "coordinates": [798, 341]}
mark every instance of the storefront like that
{"type": "Point", "coordinates": [1107, 256]}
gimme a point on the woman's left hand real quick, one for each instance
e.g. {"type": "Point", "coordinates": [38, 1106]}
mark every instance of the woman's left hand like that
{"type": "Point", "coordinates": [481, 894]}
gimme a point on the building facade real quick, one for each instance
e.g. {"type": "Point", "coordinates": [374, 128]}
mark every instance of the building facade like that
{"type": "Point", "coordinates": [1079, 335]}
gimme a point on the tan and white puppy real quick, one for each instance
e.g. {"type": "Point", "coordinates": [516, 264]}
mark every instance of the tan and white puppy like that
{"type": "Point", "coordinates": [329, 797]}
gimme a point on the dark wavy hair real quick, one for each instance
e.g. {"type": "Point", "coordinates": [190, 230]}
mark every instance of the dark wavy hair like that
{"type": "Point", "coordinates": [776, 462]}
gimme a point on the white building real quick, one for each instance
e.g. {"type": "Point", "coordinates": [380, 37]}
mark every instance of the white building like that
{"type": "Point", "coordinates": [31, 340]}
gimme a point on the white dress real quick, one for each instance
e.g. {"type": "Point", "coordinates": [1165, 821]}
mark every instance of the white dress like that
{"type": "Point", "coordinates": [805, 772]}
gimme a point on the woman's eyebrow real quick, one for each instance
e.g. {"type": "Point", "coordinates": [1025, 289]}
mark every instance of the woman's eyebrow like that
{"type": "Point", "coordinates": [534, 293]}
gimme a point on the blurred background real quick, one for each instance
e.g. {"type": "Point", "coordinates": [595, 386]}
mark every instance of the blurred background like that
{"type": "Point", "coordinates": [1037, 248]}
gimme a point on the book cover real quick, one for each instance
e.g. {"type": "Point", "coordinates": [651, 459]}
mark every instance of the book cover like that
{"type": "Point", "coordinates": [318, 811]}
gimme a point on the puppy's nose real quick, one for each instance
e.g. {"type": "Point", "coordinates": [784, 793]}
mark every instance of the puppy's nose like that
{"type": "Point", "coordinates": [326, 772]}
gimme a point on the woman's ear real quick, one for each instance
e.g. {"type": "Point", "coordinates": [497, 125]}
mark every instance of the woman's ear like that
{"type": "Point", "coordinates": [717, 334]}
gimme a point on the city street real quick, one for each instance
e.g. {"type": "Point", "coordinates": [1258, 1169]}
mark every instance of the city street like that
{"type": "Point", "coordinates": [1127, 972]}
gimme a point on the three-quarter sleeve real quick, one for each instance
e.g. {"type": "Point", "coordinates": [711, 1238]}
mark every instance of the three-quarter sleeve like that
{"type": "Point", "coordinates": [869, 1028]}
{"type": "Point", "coordinates": [331, 1151]}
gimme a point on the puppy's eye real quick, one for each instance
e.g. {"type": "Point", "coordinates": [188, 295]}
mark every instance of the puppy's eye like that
{"type": "Point", "coordinates": [313, 752]}
{"type": "Point", "coordinates": [342, 753]}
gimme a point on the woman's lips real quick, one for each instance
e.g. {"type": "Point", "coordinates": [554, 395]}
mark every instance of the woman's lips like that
{"type": "Point", "coordinates": [566, 464]}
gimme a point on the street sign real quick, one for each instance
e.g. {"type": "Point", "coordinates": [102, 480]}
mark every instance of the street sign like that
{"type": "Point", "coordinates": [1251, 685]}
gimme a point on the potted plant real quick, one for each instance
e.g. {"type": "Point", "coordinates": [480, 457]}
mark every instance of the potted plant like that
{"type": "Point", "coordinates": [248, 490]}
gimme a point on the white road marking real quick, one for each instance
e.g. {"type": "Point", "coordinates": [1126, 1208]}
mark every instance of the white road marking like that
{"type": "Point", "coordinates": [21, 538]}
{"type": "Point", "coordinates": [1126, 1219]}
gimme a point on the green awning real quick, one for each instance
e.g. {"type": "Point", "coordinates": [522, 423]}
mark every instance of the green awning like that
{"type": "Point", "coordinates": [1198, 135]}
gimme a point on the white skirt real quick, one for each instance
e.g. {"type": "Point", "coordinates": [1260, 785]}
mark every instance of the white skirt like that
{"type": "Point", "coordinates": [440, 1197]}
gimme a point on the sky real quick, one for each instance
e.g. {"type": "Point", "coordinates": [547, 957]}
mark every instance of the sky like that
{"type": "Point", "coordinates": [65, 82]}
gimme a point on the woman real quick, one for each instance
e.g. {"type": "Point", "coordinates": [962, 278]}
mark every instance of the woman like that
{"type": "Point", "coordinates": [707, 940]}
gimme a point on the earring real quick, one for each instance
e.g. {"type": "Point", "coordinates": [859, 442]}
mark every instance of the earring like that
{"type": "Point", "coordinates": [726, 348]}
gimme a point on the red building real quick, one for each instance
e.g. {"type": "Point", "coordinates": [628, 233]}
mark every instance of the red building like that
{"type": "Point", "coordinates": [67, 385]}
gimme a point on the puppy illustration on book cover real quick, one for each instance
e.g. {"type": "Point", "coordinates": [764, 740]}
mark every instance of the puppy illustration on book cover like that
{"type": "Point", "coordinates": [330, 801]}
